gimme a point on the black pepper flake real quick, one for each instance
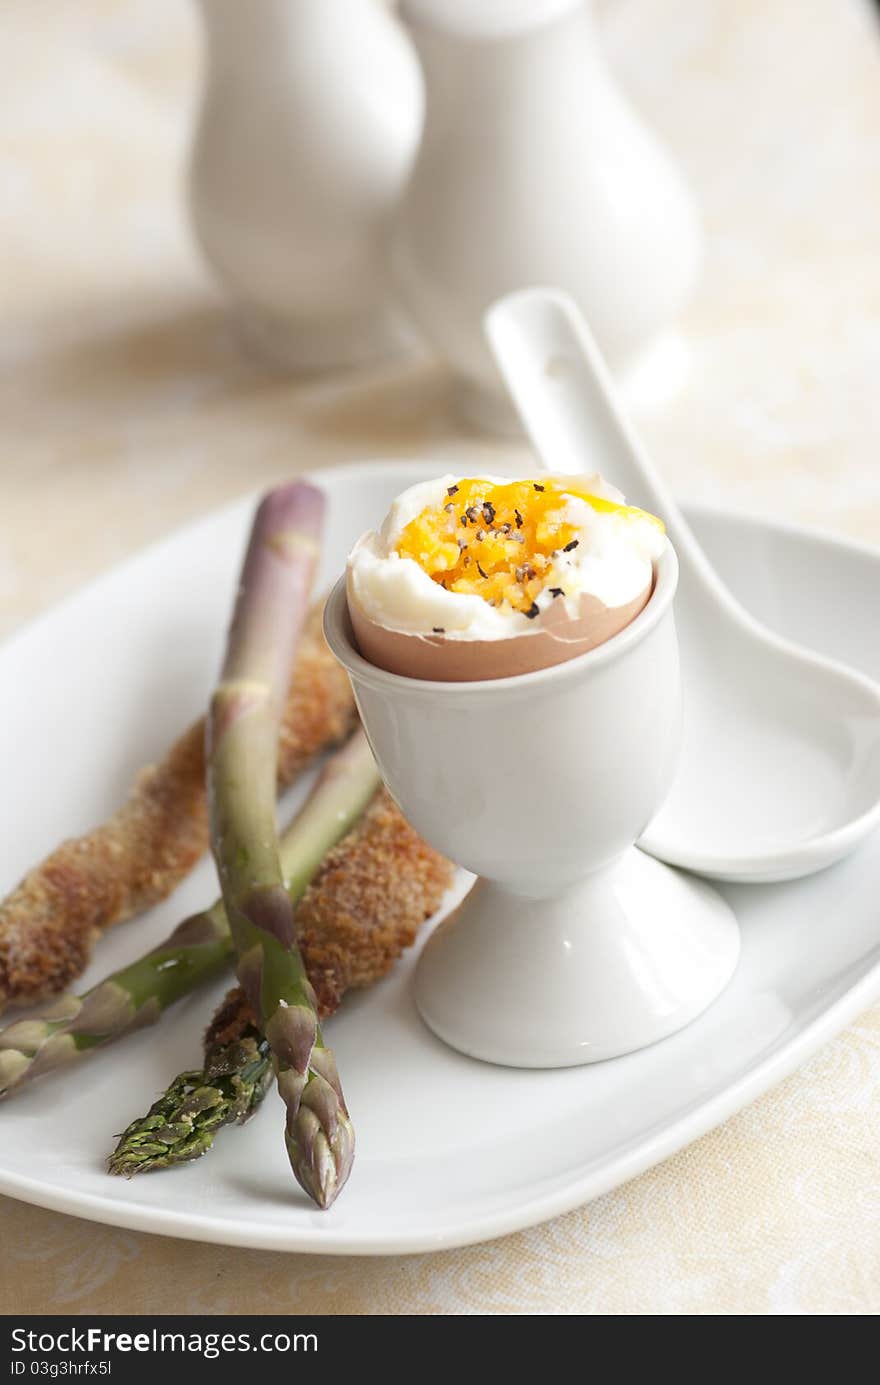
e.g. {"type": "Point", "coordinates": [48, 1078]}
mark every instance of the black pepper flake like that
{"type": "Point", "coordinates": [519, 519]}
{"type": "Point", "coordinates": [449, 508]}
{"type": "Point", "coordinates": [569, 546]}
{"type": "Point", "coordinates": [462, 543]}
{"type": "Point", "coordinates": [473, 513]}
{"type": "Point", "coordinates": [536, 486]}
{"type": "Point", "coordinates": [488, 512]}
{"type": "Point", "coordinates": [464, 521]}
{"type": "Point", "coordinates": [439, 629]}
{"type": "Point", "coordinates": [452, 490]}
{"type": "Point", "coordinates": [555, 591]}
{"type": "Point", "coordinates": [532, 611]}
{"type": "Point", "coordinates": [481, 572]}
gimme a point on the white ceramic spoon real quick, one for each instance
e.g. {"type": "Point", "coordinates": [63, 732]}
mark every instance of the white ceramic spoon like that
{"type": "Point", "coordinates": [780, 764]}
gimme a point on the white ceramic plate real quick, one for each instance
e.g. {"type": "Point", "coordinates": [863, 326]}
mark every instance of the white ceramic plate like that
{"type": "Point", "coordinates": [449, 1150]}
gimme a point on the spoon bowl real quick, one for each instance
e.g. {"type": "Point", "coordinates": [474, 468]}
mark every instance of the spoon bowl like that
{"type": "Point", "coordinates": [779, 772]}
{"type": "Point", "coordinates": [780, 765]}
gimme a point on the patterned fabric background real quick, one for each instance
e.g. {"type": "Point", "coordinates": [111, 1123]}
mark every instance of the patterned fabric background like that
{"type": "Point", "coordinates": [125, 409]}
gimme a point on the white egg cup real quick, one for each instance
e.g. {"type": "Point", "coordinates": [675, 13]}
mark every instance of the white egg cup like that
{"type": "Point", "coordinates": [573, 946]}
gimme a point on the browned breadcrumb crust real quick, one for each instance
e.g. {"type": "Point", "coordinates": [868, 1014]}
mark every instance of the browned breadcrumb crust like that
{"type": "Point", "coordinates": [366, 904]}
{"type": "Point", "coordinates": [231, 1021]}
{"type": "Point", "coordinates": [49, 923]}
{"type": "Point", "coordinates": [368, 900]}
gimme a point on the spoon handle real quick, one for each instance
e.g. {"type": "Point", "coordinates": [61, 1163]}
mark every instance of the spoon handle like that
{"type": "Point", "coordinates": [564, 394]}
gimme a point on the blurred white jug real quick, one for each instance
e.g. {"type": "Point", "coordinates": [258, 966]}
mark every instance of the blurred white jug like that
{"type": "Point", "coordinates": [310, 118]}
{"type": "Point", "coordinates": [533, 170]}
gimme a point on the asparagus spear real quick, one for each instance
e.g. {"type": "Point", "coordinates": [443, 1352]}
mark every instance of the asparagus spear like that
{"type": "Point", "coordinates": [51, 921]}
{"type": "Point", "coordinates": [135, 996]}
{"type": "Point", "coordinates": [197, 949]}
{"type": "Point", "coordinates": [181, 1125]}
{"type": "Point", "coordinates": [243, 727]}
{"type": "Point", "coordinates": [362, 909]}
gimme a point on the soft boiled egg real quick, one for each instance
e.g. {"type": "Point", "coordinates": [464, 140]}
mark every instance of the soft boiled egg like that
{"type": "Point", "coordinates": [473, 578]}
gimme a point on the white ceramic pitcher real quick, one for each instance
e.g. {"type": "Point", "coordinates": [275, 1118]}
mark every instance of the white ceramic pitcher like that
{"type": "Point", "coordinates": [310, 118]}
{"type": "Point", "coordinates": [534, 170]}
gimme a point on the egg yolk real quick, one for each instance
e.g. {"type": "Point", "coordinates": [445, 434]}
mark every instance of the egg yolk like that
{"type": "Point", "coordinates": [500, 542]}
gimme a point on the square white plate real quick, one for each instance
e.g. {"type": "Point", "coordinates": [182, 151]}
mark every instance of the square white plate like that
{"type": "Point", "coordinates": [449, 1150]}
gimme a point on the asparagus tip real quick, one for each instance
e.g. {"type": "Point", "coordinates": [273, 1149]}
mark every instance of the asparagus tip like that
{"type": "Point", "coordinates": [320, 1138]}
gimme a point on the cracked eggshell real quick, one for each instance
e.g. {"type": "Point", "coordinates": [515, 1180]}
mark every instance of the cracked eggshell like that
{"type": "Point", "coordinates": [457, 659]}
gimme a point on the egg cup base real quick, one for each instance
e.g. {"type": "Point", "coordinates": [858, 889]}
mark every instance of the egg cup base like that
{"type": "Point", "coordinates": [626, 957]}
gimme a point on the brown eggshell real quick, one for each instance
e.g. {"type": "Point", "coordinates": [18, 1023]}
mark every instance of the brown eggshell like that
{"type": "Point", "coordinates": [447, 659]}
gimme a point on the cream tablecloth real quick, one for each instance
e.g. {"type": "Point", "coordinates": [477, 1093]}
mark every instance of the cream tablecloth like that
{"type": "Point", "coordinates": [126, 408]}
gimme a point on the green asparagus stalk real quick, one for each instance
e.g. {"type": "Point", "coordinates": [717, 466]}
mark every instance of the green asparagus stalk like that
{"type": "Point", "coordinates": [182, 1124]}
{"type": "Point", "coordinates": [197, 950]}
{"type": "Point", "coordinates": [243, 726]}
{"type": "Point", "coordinates": [135, 996]}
